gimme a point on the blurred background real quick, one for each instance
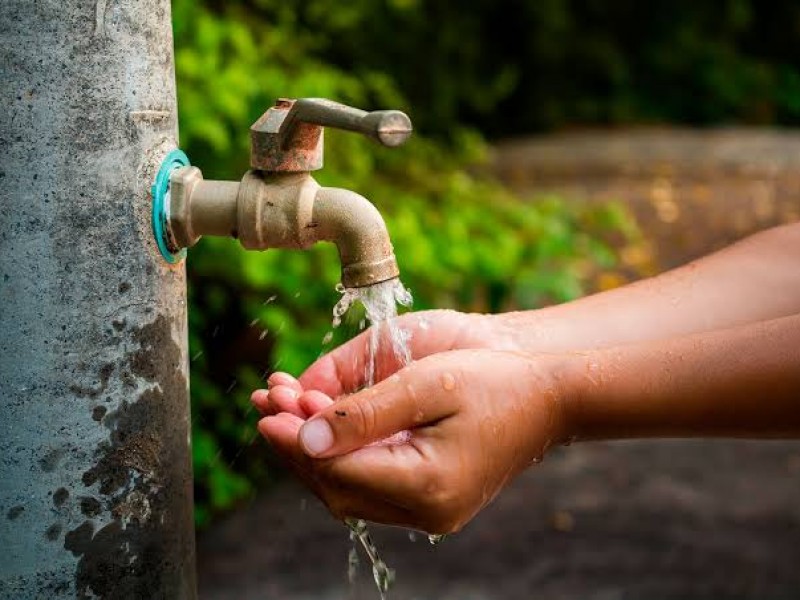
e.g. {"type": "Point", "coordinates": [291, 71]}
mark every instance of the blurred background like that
{"type": "Point", "coordinates": [561, 147]}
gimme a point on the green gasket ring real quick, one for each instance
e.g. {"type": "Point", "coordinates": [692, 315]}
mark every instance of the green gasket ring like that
{"type": "Point", "coordinates": [160, 191]}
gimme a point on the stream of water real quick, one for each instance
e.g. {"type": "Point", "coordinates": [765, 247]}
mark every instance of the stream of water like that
{"type": "Point", "coordinates": [380, 303]}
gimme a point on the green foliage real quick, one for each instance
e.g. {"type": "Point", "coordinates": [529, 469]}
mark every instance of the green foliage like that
{"type": "Point", "coordinates": [462, 240]}
{"type": "Point", "coordinates": [509, 67]}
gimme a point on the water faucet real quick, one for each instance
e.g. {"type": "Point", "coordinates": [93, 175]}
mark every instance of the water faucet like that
{"type": "Point", "coordinates": [277, 204]}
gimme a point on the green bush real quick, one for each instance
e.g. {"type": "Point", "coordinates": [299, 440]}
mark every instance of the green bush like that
{"type": "Point", "coordinates": [462, 240]}
{"type": "Point", "coordinates": [508, 67]}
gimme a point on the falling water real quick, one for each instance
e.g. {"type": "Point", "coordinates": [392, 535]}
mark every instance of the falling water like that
{"type": "Point", "coordinates": [383, 575]}
{"type": "Point", "coordinates": [380, 303]}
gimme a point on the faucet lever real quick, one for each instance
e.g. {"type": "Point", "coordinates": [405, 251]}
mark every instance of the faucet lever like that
{"type": "Point", "coordinates": [288, 137]}
{"type": "Point", "coordinates": [388, 127]}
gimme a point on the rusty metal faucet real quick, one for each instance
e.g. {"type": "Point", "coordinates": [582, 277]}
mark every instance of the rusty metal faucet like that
{"type": "Point", "coordinates": [278, 204]}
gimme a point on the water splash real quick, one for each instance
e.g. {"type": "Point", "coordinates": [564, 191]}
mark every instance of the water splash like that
{"type": "Point", "coordinates": [380, 303]}
{"type": "Point", "coordinates": [383, 575]}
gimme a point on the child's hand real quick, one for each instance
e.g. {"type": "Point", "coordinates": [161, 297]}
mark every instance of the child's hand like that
{"type": "Point", "coordinates": [473, 419]}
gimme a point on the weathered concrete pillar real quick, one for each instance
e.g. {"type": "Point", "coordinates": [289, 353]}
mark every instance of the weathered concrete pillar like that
{"type": "Point", "coordinates": [95, 470]}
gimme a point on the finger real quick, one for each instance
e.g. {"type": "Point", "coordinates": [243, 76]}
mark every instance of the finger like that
{"type": "Point", "coordinates": [342, 370]}
{"type": "Point", "coordinates": [260, 399]}
{"type": "Point", "coordinates": [281, 430]}
{"type": "Point", "coordinates": [420, 394]}
{"type": "Point", "coordinates": [313, 402]}
{"type": "Point", "coordinates": [281, 378]}
{"type": "Point", "coordinates": [339, 371]}
{"type": "Point", "coordinates": [284, 399]}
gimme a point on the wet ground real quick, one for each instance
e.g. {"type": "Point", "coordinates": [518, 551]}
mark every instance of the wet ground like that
{"type": "Point", "coordinates": [604, 521]}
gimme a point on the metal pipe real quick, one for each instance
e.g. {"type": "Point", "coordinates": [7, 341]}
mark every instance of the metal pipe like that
{"type": "Point", "coordinates": [95, 466]}
{"type": "Point", "coordinates": [357, 228]}
{"type": "Point", "coordinates": [215, 207]}
{"type": "Point", "coordinates": [200, 207]}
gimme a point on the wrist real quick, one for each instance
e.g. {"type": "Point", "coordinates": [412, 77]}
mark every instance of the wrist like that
{"type": "Point", "coordinates": [555, 383]}
{"type": "Point", "coordinates": [511, 331]}
{"type": "Point", "coordinates": [575, 381]}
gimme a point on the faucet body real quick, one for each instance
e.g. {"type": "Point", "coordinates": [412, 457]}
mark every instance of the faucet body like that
{"type": "Point", "coordinates": [283, 210]}
{"type": "Point", "coordinates": [278, 204]}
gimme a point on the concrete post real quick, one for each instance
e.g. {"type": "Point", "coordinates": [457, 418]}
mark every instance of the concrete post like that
{"type": "Point", "coordinates": [95, 469]}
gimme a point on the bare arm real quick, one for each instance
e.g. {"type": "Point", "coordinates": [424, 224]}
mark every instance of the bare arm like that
{"type": "Point", "coordinates": [738, 382]}
{"type": "Point", "coordinates": [476, 418]}
{"type": "Point", "coordinates": [754, 280]}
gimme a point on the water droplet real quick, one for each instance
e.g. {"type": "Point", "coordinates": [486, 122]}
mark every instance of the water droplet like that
{"type": "Point", "coordinates": [254, 322]}
{"type": "Point", "coordinates": [297, 295]}
{"type": "Point", "coordinates": [536, 460]}
{"type": "Point", "coordinates": [448, 381]}
{"type": "Point", "coordinates": [412, 535]}
{"type": "Point", "coordinates": [196, 356]}
{"type": "Point", "coordinates": [270, 299]}
{"type": "Point", "coordinates": [327, 339]}
{"type": "Point", "coordinates": [352, 565]}
{"type": "Point", "coordinates": [436, 538]}
{"type": "Point", "coordinates": [424, 324]}
{"type": "Point", "coordinates": [263, 334]}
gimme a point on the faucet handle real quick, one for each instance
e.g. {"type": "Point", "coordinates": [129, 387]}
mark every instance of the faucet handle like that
{"type": "Point", "coordinates": [289, 136]}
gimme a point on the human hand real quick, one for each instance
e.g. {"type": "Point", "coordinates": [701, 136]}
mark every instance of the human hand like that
{"type": "Point", "coordinates": [474, 419]}
{"type": "Point", "coordinates": [343, 370]}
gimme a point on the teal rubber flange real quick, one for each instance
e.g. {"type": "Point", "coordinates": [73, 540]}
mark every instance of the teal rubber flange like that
{"type": "Point", "coordinates": [160, 221]}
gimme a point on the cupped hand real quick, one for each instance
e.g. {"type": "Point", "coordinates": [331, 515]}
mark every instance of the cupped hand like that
{"type": "Point", "coordinates": [344, 370]}
{"type": "Point", "coordinates": [460, 425]}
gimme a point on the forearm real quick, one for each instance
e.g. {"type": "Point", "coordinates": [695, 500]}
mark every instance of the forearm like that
{"type": "Point", "coordinates": [754, 280]}
{"type": "Point", "coordinates": [739, 382]}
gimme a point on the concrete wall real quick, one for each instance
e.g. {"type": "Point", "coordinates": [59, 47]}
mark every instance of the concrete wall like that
{"type": "Point", "coordinates": [95, 470]}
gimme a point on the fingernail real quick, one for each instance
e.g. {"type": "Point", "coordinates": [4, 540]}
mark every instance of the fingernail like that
{"type": "Point", "coordinates": [316, 436]}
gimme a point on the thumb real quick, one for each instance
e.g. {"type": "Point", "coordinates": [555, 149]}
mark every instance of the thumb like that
{"type": "Point", "coordinates": [410, 399]}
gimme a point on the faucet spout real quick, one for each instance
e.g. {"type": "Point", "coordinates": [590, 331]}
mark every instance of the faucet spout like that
{"type": "Point", "coordinates": [357, 228]}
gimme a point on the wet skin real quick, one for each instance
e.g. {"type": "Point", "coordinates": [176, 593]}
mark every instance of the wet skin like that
{"type": "Point", "coordinates": [710, 349]}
